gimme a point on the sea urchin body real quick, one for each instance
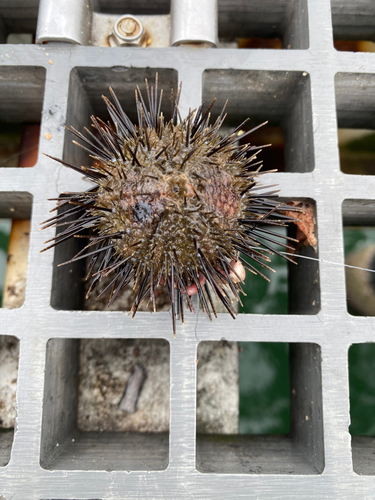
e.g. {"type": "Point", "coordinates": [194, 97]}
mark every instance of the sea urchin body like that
{"type": "Point", "coordinates": [173, 204]}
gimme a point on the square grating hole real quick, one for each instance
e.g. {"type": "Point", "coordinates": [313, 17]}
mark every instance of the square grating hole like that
{"type": "Point", "coordinates": [280, 414]}
{"type": "Point", "coordinates": [21, 104]}
{"type": "Point", "coordinates": [281, 98]}
{"type": "Point", "coordinates": [273, 24]}
{"type": "Point", "coordinates": [86, 87]}
{"type": "Point", "coordinates": [18, 17]}
{"type": "Point", "coordinates": [359, 247]}
{"type": "Point", "coordinates": [83, 427]}
{"type": "Point", "coordinates": [355, 103]}
{"type": "Point", "coordinates": [9, 356]}
{"type": "Point", "coordinates": [362, 404]}
{"type": "Point", "coordinates": [353, 25]}
{"type": "Point", "coordinates": [292, 289]}
{"type": "Point", "coordinates": [15, 212]}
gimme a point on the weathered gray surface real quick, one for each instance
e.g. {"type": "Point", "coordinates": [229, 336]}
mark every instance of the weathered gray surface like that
{"type": "Point", "coordinates": [270, 454]}
{"type": "Point", "coordinates": [111, 451]}
{"type": "Point", "coordinates": [217, 388]}
{"type": "Point", "coordinates": [104, 369]}
{"type": "Point", "coordinates": [317, 177]}
{"type": "Point", "coordinates": [6, 440]}
{"type": "Point", "coordinates": [9, 355]}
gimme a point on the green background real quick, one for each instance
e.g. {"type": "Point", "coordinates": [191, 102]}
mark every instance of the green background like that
{"type": "Point", "coordinates": [264, 366]}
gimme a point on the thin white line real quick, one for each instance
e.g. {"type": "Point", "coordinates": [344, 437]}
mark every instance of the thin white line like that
{"type": "Point", "coordinates": [328, 262]}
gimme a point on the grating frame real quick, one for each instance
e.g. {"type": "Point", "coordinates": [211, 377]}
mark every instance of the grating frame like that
{"type": "Point", "coordinates": [311, 85]}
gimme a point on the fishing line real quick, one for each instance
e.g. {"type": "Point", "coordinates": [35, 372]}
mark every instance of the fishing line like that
{"type": "Point", "coordinates": [328, 262]}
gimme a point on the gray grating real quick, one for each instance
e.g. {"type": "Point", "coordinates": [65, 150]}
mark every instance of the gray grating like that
{"type": "Point", "coordinates": [305, 90]}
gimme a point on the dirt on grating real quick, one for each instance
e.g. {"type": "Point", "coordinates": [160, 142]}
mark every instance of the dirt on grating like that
{"type": "Point", "coordinates": [105, 367]}
{"type": "Point", "coordinates": [9, 353]}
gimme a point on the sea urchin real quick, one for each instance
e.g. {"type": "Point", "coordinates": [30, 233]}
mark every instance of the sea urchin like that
{"type": "Point", "coordinates": [173, 204]}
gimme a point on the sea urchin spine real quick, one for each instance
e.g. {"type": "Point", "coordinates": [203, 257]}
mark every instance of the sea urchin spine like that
{"type": "Point", "coordinates": [173, 204]}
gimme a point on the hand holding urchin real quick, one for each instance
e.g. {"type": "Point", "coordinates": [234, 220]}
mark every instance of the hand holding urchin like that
{"type": "Point", "coordinates": [173, 204]}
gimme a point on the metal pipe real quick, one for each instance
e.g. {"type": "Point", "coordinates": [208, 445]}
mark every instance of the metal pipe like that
{"type": "Point", "coordinates": [67, 21]}
{"type": "Point", "coordinates": [194, 22]}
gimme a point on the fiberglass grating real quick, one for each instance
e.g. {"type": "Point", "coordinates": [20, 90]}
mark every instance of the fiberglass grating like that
{"type": "Point", "coordinates": [318, 89]}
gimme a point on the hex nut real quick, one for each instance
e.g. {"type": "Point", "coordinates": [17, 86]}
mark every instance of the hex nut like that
{"type": "Point", "coordinates": [128, 31]}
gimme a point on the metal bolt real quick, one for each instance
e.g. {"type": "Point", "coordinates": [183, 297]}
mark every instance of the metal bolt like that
{"type": "Point", "coordinates": [128, 31]}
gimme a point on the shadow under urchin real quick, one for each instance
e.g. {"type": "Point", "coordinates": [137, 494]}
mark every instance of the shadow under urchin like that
{"type": "Point", "coordinates": [173, 204]}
